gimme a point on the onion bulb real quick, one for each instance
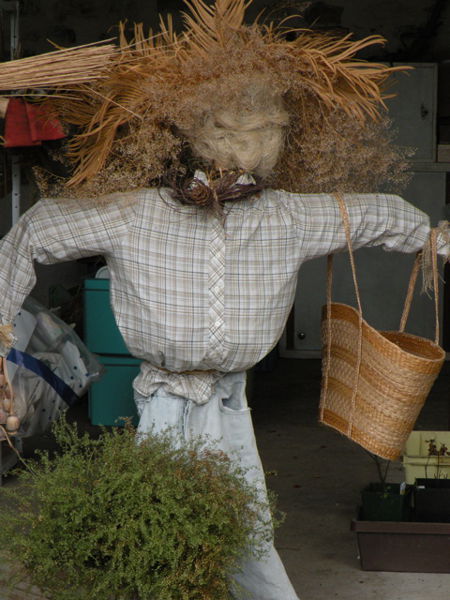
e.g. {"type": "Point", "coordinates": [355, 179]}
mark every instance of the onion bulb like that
{"type": "Point", "coordinates": [12, 423]}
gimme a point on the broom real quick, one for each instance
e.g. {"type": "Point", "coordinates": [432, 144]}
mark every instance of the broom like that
{"type": "Point", "coordinates": [60, 68]}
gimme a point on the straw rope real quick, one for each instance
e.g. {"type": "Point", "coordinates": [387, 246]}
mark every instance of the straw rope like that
{"type": "Point", "coordinates": [346, 222]}
{"type": "Point", "coordinates": [410, 291]}
{"type": "Point", "coordinates": [327, 320]}
{"type": "Point", "coordinates": [442, 232]}
{"type": "Point", "coordinates": [431, 250]}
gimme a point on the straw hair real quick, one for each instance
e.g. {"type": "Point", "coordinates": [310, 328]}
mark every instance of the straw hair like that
{"type": "Point", "coordinates": [135, 124]}
{"type": "Point", "coordinates": [246, 135]}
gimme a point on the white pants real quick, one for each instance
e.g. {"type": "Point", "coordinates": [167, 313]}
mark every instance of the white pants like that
{"type": "Point", "coordinates": [226, 420]}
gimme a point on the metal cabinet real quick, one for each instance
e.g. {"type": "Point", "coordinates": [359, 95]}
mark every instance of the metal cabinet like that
{"type": "Point", "coordinates": [413, 110]}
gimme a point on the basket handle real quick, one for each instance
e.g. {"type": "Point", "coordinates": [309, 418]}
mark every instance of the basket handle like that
{"type": "Point", "coordinates": [412, 284]}
{"type": "Point", "coordinates": [345, 219]}
{"type": "Point", "coordinates": [412, 279]}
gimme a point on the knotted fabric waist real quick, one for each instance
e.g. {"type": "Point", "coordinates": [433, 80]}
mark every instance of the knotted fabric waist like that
{"type": "Point", "coordinates": [196, 385]}
{"type": "Point", "coordinates": [193, 372]}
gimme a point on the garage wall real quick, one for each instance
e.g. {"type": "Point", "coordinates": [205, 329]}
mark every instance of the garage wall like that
{"type": "Point", "coordinates": [415, 29]}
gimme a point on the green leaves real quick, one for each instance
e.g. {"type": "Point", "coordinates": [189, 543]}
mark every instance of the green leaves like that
{"type": "Point", "coordinates": [111, 519]}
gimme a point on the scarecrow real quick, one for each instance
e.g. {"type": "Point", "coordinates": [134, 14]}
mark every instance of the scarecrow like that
{"type": "Point", "coordinates": [202, 166]}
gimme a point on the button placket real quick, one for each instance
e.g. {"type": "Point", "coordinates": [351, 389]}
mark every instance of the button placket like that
{"type": "Point", "coordinates": [216, 350]}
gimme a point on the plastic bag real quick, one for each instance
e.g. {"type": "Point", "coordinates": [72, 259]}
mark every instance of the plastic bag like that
{"type": "Point", "coordinates": [50, 368]}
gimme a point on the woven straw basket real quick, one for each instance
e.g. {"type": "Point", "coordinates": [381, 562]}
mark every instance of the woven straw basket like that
{"type": "Point", "coordinates": [375, 382]}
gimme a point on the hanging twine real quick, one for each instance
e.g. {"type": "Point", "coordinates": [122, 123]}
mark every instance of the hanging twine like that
{"type": "Point", "coordinates": [441, 232]}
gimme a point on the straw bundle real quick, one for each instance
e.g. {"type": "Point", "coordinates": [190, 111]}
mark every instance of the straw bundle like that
{"type": "Point", "coordinates": [134, 120]}
{"type": "Point", "coordinates": [61, 68]}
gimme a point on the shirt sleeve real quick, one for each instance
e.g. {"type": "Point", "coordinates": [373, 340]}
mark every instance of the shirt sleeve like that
{"type": "Point", "coordinates": [55, 231]}
{"type": "Point", "coordinates": [375, 220]}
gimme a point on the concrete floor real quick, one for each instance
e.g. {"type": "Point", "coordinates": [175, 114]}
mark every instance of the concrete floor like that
{"type": "Point", "coordinates": [317, 475]}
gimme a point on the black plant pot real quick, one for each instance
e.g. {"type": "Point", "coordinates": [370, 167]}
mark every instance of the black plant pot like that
{"type": "Point", "coordinates": [432, 500]}
{"type": "Point", "coordinates": [385, 503]}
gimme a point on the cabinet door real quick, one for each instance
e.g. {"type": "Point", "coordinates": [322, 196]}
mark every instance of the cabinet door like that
{"type": "Point", "coordinates": [383, 278]}
{"type": "Point", "coordinates": [413, 110]}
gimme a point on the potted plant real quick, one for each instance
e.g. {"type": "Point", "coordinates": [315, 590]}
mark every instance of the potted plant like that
{"type": "Point", "coordinates": [383, 501]}
{"type": "Point", "coordinates": [405, 543]}
{"type": "Point", "coordinates": [432, 494]}
{"type": "Point", "coordinates": [112, 519]}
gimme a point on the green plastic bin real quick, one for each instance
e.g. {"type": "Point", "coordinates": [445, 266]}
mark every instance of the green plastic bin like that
{"type": "Point", "coordinates": [111, 398]}
{"type": "Point", "coordinates": [101, 334]}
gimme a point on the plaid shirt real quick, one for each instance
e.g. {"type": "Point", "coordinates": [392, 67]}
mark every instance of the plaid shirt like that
{"type": "Point", "coordinates": [191, 291]}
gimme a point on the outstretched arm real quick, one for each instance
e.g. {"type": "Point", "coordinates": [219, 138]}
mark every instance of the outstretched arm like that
{"type": "Point", "coordinates": [52, 231]}
{"type": "Point", "coordinates": [375, 220]}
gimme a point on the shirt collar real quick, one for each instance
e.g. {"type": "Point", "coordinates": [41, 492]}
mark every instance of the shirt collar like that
{"type": "Point", "coordinates": [244, 179]}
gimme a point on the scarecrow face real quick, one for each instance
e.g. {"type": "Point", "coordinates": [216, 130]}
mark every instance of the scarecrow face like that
{"type": "Point", "coordinates": [231, 141]}
{"type": "Point", "coordinates": [247, 134]}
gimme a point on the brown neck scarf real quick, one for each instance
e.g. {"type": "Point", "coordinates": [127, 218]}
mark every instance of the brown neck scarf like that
{"type": "Point", "coordinates": [194, 192]}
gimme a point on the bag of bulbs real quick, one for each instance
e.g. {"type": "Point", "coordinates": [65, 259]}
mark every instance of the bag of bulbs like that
{"type": "Point", "coordinates": [48, 369]}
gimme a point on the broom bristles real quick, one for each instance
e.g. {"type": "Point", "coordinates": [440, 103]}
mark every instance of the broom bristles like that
{"type": "Point", "coordinates": [58, 68]}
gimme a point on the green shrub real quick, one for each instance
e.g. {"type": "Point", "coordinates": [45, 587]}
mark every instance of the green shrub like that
{"type": "Point", "coordinates": [108, 518]}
